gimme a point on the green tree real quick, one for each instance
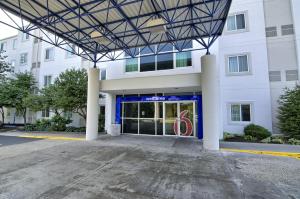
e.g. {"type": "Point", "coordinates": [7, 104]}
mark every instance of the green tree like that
{"type": "Point", "coordinates": [4, 69]}
{"type": "Point", "coordinates": [5, 98]}
{"type": "Point", "coordinates": [289, 112]}
{"type": "Point", "coordinates": [18, 89]}
{"type": "Point", "coordinates": [70, 90]}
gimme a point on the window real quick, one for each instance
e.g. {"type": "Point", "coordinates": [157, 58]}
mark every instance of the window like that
{"type": "Point", "coordinates": [238, 64]}
{"type": "Point", "coordinates": [240, 113]}
{"type": "Point", "coordinates": [23, 58]}
{"type": "Point", "coordinates": [25, 37]}
{"type": "Point", "coordinates": [287, 29]}
{"type": "Point", "coordinates": [183, 59]}
{"type": "Point", "coordinates": [103, 74]}
{"type": "Point", "coordinates": [49, 54]}
{"type": "Point", "coordinates": [275, 76]}
{"type": "Point", "coordinates": [3, 46]}
{"type": "Point", "coordinates": [236, 22]}
{"type": "Point", "coordinates": [71, 50]}
{"type": "Point", "coordinates": [165, 61]}
{"type": "Point", "coordinates": [47, 80]}
{"type": "Point", "coordinates": [131, 65]}
{"type": "Point", "coordinates": [15, 44]}
{"type": "Point", "coordinates": [12, 65]}
{"type": "Point", "coordinates": [291, 75]}
{"type": "Point", "coordinates": [147, 63]}
{"type": "Point", "coordinates": [46, 112]}
{"type": "Point", "coordinates": [68, 114]}
{"type": "Point", "coordinates": [271, 31]}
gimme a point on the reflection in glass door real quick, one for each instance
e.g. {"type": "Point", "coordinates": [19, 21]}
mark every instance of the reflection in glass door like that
{"type": "Point", "coordinates": [171, 115]}
{"type": "Point", "coordinates": [186, 119]}
{"type": "Point", "coordinates": [179, 118]}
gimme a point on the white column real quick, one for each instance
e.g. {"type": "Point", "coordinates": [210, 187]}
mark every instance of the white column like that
{"type": "Point", "coordinates": [92, 104]}
{"type": "Point", "coordinates": [110, 111]}
{"type": "Point", "coordinates": [211, 102]}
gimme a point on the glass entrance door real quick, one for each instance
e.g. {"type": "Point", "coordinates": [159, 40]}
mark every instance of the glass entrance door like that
{"type": "Point", "coordinates": [179, 118]}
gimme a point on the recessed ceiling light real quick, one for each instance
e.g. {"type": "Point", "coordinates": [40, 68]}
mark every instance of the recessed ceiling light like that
{"type": "Point", "coordinates": [99, 38]}
{"type": "Point", "coordinates": [157, 25]}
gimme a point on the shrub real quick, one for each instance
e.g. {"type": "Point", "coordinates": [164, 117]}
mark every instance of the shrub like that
{"type": "Point", "coordinates": [30, 127]}
{"type": "Point", "coordinates": [75, 129]}
{"type": "Point", "coordinates": [289, 112]}
{"type": "Point", "coordinates": [43, 125]}
{"type": "Point", "coordinates": [277, 141]}
{"type": "Point", "coordinates": [250, 138]}
{"type": "Point", "coordinates": [266, 140]}
{"type": "Point", "coordinates": [294, 141]}
{"type": "Point", "coordinates": [256, 131]}
{"type": "Point", "coordinates": [56, 123]}
{"type": "Point", "coordinates": [59, 123]}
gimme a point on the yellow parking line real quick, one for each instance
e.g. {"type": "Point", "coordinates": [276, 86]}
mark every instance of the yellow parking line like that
{"type": "Point", "coordinates": [52, 137]}
{"type": "Point", "coordinates": [272, 153]}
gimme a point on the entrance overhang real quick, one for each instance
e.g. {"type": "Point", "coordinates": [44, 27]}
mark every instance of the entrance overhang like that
{"type": "Point", "coordinates": [103, 30]}
{"type": "Point", "coordinates": [156, 84]}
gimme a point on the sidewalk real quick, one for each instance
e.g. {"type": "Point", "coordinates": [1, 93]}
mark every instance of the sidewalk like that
{"type": "Point", "coordinates": [260, 147]}
{"type": "Point", "coordinates": [47, 135]}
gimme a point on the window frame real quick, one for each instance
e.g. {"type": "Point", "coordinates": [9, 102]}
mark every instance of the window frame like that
{"type": "Point", "coordinates": [246, 29]}
{"type": "Point", "coordinates": [229, 115]}
{"type": "Point", "coordinates": [174, 53]}
{"type": "Point", "coordinates": [101, 71]}
{"type": "Point", "coordinates": [14, 46]}
{"type": "Point", "coordinates": [46, 79]}
{"type": "Point", "coordinates": [3, 45]}
{"type": "Point", "coordinates": [25, 37]}
{"type": "Point", "coordinates": [249, 72]}
{"type": "Point", "coordinates": [23, 63]}
{"type": "Point", "coordinates": [45, 113]}
{"type": "Point", "coordinates": [50, 58]}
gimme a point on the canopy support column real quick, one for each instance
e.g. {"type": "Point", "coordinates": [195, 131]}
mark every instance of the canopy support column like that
{"type": "Point", "coordinates": [211, 102]}
{"type": "Point", "coordinates": [92, 104]}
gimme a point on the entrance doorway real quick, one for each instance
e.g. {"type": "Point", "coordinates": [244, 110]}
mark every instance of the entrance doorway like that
{"type": "Point", "coordinates": [171, 118]}
{"type": "Point", "coordinates": [179, 118]}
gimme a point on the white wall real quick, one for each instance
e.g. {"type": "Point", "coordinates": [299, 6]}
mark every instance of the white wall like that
{"type": "Point", "coordinates": [252, 88]}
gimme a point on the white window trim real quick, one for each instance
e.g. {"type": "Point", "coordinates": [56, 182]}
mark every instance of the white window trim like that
{"type": "Point", "coordinates": [24, 37]}
{"type": "Point", "coordinates": [249, 72]}
{"type": "Point", "coordinates": [47, 76]}
{"type": "Point", "coordinates": [246, 29]}
{"type": "Point", "coordinates": [22, 64]}
{"type": "Point", "coordinates": [15, 43]}
{"type": "Point", "coordinates": [229, 120]}
{"type": "Point", "coordinates": [4, 46]}
{"type": "Point", "coordinates": [51, 59]}
{"type": "Point", "coordinates": [101, 70]}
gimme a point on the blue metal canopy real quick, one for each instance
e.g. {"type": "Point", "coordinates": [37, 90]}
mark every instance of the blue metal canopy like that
{"type": "Point", "coordinates": [119, 25]}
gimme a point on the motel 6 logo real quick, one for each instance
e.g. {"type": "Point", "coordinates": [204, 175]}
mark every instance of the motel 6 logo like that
{"type": "Point", "coordinates": [183, 119]}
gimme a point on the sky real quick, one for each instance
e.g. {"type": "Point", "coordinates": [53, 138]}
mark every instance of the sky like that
{"type": "Point", "coordinates": [6, 31]}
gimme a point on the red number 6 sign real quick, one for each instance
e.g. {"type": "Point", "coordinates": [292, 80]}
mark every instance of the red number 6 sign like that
{"type": "Point", "coordinates": [188, 124]}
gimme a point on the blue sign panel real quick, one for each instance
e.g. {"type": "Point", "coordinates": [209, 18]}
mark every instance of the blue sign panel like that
{"type": "Point", "coordinates": [197, 98]}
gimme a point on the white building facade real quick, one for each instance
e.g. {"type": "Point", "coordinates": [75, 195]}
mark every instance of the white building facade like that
{"type": "Point", "coordinates": [257, 57]}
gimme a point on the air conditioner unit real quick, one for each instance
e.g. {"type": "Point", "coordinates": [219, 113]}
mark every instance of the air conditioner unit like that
{"type": "Point", "coordinates": [157, 25]}
{"type": "Point", "coordinates": [99, 38]}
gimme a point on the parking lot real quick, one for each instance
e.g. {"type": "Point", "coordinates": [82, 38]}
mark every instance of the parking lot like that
{"type": "Point", "coordinates": [139, 167]}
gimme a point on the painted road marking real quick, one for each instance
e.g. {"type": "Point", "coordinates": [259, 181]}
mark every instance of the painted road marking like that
{"type": "Point", "coordinates": [272, 153]}
{"type": "Point", "coordinates": [51, 137]}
